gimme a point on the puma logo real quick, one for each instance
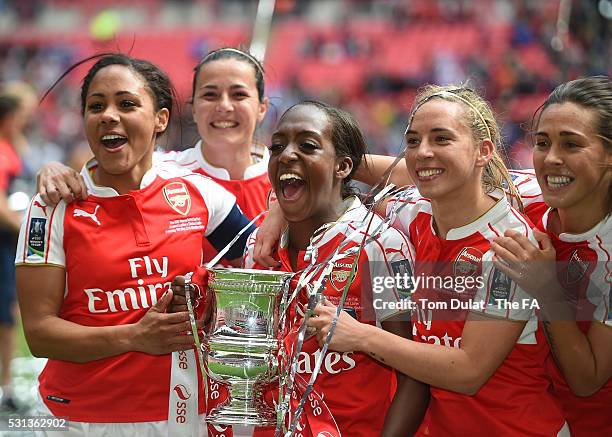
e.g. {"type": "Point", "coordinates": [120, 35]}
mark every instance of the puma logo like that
{"type": "Point", "coordinates": [41, 206]}
{"type": "Point", "coordinates": [91, 215]}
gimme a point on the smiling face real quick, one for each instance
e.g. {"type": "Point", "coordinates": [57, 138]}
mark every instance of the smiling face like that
{"type": "Point", "coordinates": [570, 161]}
{"type": "Point", "coordinates": [226, 106]}
{"type": "Point", "coordinates": [441, 156]}
{"type": "Point", "coordinates": [121, 124]}
{"type": "Point", "coordinates": [304, 170]}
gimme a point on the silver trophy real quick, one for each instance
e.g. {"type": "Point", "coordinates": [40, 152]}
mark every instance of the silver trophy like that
{"type": "Point", "coordinates": [242, 341]}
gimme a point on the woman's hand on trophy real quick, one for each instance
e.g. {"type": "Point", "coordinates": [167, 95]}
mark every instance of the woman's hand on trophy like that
{"type": "Point", "coordinates": [160, 332]}
{"type": "Point", "coordinates": [179, 300]}
{"type": "Point", "coordinates": [197, 292]}
{"type": "Point", "coordinates": [347, 332]}
{"type": "Point", "coordinates": [197, 286]}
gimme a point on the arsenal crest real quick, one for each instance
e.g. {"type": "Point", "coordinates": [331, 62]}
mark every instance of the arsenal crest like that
{"type": "Point", "coordinates": [177, 196]}
{"type": "Point", "coordinates": [340, 274]}
{"type": "Point", "coordinates": [467, 262]}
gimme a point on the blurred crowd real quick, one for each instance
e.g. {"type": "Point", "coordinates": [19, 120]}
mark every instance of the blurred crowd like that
{"type": "Point", "coordinates": [516, 52]}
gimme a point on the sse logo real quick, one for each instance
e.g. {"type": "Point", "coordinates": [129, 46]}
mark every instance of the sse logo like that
{"type": "Point", "coordinates": [181, 406]}
{"type": "Point", "coordinates": [182, 392]}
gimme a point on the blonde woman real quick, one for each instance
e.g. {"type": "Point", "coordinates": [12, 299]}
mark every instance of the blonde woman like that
{"type": "Point", "coordinates": [474, 334]}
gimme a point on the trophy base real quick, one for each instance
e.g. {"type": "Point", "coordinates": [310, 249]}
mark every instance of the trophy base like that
{"type": "Point", "coordinates": [241, 412]}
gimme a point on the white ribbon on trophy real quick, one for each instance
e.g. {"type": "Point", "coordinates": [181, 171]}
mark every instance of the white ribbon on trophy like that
{"type": "Point", "coordinates": [183, 417]}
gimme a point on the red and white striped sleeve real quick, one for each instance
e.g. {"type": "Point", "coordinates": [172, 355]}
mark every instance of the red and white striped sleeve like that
{"type": "Point", "coordinates": [528, 187]}
{"type": "Point", "coordinates": [402, 207]}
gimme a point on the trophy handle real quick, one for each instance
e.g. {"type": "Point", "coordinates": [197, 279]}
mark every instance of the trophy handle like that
{"type": "Point", "coordinates": [204, 300]}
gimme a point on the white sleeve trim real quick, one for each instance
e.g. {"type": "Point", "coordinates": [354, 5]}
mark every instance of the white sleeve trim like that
{"type": "Point", "coordinates": [218, 200]}
{"type": "Point", "coordinates": [41, 238]}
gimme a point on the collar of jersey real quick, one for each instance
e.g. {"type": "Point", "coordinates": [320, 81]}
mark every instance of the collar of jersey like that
{"type": "Point", "coordinates": [354, 211]}
{"type": "Point", "coordinates": [497, 212]}
{"type": "Point", "coordinates": [601, 228]}
{"type": "Point", "coordinates": [258, 152]}
{"type": "Point", "coordinates": [101, 191]}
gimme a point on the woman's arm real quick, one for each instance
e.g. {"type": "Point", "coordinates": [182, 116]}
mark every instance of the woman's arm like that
{"type": "Point", "coordinates": [55, 182]}
{"type": "Point", "coordinates": [268, 234]}
{"type": "Point", "coordinates": [376, 166]}
{"type": "Point", "coordinates": [585, 360]}
{"type": "Point", "coordinates": [406, 412]}
{"type": "Point", "coordinates": [41, 293]}
{"type": "Point", "coordinates": [463, 370]}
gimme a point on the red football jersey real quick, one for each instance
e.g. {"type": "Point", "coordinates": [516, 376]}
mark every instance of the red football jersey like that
{"type": "Point", "coordinates": [251, 192]}
{"type": "Point", "coordinates": [120, 254]}
{"type": "Point", "coordinates": [583, 269]}
{"type": "Point", "coordinates": [515, 400]}
{"type": "Point", "coordinates": [357, 389]}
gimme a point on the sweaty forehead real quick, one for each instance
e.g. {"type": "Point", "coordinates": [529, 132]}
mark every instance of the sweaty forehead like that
{"type": "Point", "coordinates": [305, 118]}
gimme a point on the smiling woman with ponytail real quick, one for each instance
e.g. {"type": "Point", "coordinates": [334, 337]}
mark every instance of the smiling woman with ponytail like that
{"type": "Point", "coordinates": [483, 361]}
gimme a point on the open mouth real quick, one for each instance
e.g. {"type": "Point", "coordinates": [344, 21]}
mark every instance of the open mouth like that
{"type": "Point", "coordinates": [558, 182]}
{"type": "Point", "coordinates": [224, 124]}
{"type": "Point", "coordinates": [113, 141]}
{"type": "Point", "coordinates": [291, 186]}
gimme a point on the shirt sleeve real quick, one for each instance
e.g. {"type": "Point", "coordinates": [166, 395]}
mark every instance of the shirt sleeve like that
{"type": "Point", "coordinates": [527, 185]}
{"type": "Point", "coordinates": [236, 224]}
{"type": "Point", "coordinates": [41, 238]}
{"type": "Point", "coordinates": [498, 296]}
{"type": "Point", "coordinates": [402, 208]}
{"type": "Point", "coordinates": [598, 293]}
{"type": "Point", "coordinates": [218, 200]}
{"type": "Point", "coordinates": [391, 267]}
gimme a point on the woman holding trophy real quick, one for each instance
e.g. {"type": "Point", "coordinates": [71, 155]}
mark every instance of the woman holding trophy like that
{"type": "Point", "coordinates": [94, 276]}
{"type": "Point", "coordinates": [314, 152]}
{"type": "Point", "coordinates": [228, 103]}
{"type": "Point", "coordinates": [481, 358]}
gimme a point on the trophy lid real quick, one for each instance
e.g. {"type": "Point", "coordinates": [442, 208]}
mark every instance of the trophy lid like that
{"type": "Point", "coordinates": [248, 280]}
